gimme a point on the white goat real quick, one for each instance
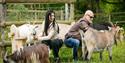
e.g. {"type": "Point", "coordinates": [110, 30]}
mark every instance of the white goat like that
{"type": "Point", "coordinates": [21, 35]}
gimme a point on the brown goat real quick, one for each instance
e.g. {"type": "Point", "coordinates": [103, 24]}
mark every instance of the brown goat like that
{"type": "Point", "coordinates": [32, 54]}
{"type": "Point", "coordinates": [97, 41]}
{"type": "Point", "coordinates": [119, 35]}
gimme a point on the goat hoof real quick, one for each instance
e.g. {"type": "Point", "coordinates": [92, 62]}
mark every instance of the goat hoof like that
{"type": "Point", "coordinates": [86, 59]}
{"type": "Point", "coordinates": [57, 60]}
{"type": "Point", "coordinates": [110, 58]}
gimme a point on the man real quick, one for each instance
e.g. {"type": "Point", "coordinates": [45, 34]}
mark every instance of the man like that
{"type": "Point", "coordinates": [73, 38]}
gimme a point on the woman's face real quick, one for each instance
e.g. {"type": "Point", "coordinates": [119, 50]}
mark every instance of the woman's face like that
{"type": "Point", "coordinates": [51, 17]}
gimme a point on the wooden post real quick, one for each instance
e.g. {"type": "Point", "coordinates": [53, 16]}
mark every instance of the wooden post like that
{"type": "Point", "coordinates": [2, 17]}
{"type": "Point", "coordinates": [109, 17]}
{"type": "Point", "coordinates": [62, 15]}
{"type": "Point", "coordinates": [40, 1]}
{"type": "Point", "coordinates": [71, 12]}
{"type": "Point", "coordinates": [2, 24]}
{"type": "Point", "coordinates": [66, 11]}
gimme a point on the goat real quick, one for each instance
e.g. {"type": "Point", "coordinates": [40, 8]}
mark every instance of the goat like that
{"type": "Point", "coordinates": [32, 54]}
{"type": "Point", "coordinates": [119, 34]}
{"type": "Point", "coordinates": [96, 40]}
{"type": "Point", "coordinates": [21, 35]}
{"type": "Point", "coordinates": [101, 26]}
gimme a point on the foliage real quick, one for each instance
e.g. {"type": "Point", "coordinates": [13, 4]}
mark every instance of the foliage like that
{"type": "Point", "coordinates": [107, 8]}
{"type": "Point", "coordinates": [101, 6]}
{"type": "Point", "coordinates": [18, 9]}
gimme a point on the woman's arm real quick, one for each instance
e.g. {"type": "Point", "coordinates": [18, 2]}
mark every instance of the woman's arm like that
{"type": "Point", "coordinates": [50, 35]}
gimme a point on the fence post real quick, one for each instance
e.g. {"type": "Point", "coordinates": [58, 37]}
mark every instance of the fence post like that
{"type": "Point", "coordinates": [71, 12]}
{"type": "Point", "coordinates": [109, 17]}
{"type": "Point", "coordinates": [66, 11]}
{"type": "Point", "coordinates": [2, 24]}
{"type": "Point", "coordinates": [2, 17]}
{"type": "Point", "coordinates": [62, 15]}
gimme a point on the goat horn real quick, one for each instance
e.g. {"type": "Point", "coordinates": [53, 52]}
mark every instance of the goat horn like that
{"type": "Point", "coordinates": [116, 23]}
{"type": "Point", "coordinates": [111, 23]}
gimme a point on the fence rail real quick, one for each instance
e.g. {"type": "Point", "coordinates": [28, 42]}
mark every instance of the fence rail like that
{"type": "Point", "coordinates": [31, 15]}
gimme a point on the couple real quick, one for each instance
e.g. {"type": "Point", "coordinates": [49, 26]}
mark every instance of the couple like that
{"type": "Point", "coordinates": [50, 31]}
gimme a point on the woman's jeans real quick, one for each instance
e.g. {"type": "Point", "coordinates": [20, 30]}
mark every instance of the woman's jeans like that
{"type": "Point", "coordinates": [73, 43]}
{"type": "Point", "coordinates": [55, 45]}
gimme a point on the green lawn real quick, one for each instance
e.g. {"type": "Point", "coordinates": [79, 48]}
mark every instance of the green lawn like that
{"type": "Point", "coordinates": [118, 55]}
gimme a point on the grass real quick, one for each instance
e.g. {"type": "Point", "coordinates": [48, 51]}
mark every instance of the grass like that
{"type": "Point", "coordinates": [66, 55]}
{"type": "Point", "coordinates": [118, 55]}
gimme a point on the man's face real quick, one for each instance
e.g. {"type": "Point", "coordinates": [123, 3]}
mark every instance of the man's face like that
{"type": "Point", "coordinates": [52, 17]}
{"type": "Point", "coordinates": [90, 17]}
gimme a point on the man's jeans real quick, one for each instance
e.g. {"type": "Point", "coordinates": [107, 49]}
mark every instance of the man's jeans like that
{"type": "Point", "coordinates": [73, 43]}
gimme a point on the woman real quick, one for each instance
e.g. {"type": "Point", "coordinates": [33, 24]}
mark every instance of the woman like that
{"type": "Point", "coordinates": [49, 34]}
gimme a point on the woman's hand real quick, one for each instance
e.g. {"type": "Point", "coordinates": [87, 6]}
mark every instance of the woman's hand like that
{"type": "Point", "coordinates": [35, 37]}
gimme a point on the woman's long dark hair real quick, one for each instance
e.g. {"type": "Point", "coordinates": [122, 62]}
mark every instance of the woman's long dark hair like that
{"type": "Point", "coordinates": [47, 21]}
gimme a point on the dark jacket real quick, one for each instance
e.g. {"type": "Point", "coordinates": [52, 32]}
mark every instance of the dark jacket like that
{"type": "Point", "coordinates": [74, 30]}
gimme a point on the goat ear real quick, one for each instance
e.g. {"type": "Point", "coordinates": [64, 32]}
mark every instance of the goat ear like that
{"type": "Point", "coordinates": [13, 27]}
{"type": "Point", "coordinates": [121, 28]}
{"type": "Point", "coordinates": [36, 26]}
{"type": "Point", "coordinates": [111, 23]}
{"type": "Point", "coordinates": [13, 30]}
